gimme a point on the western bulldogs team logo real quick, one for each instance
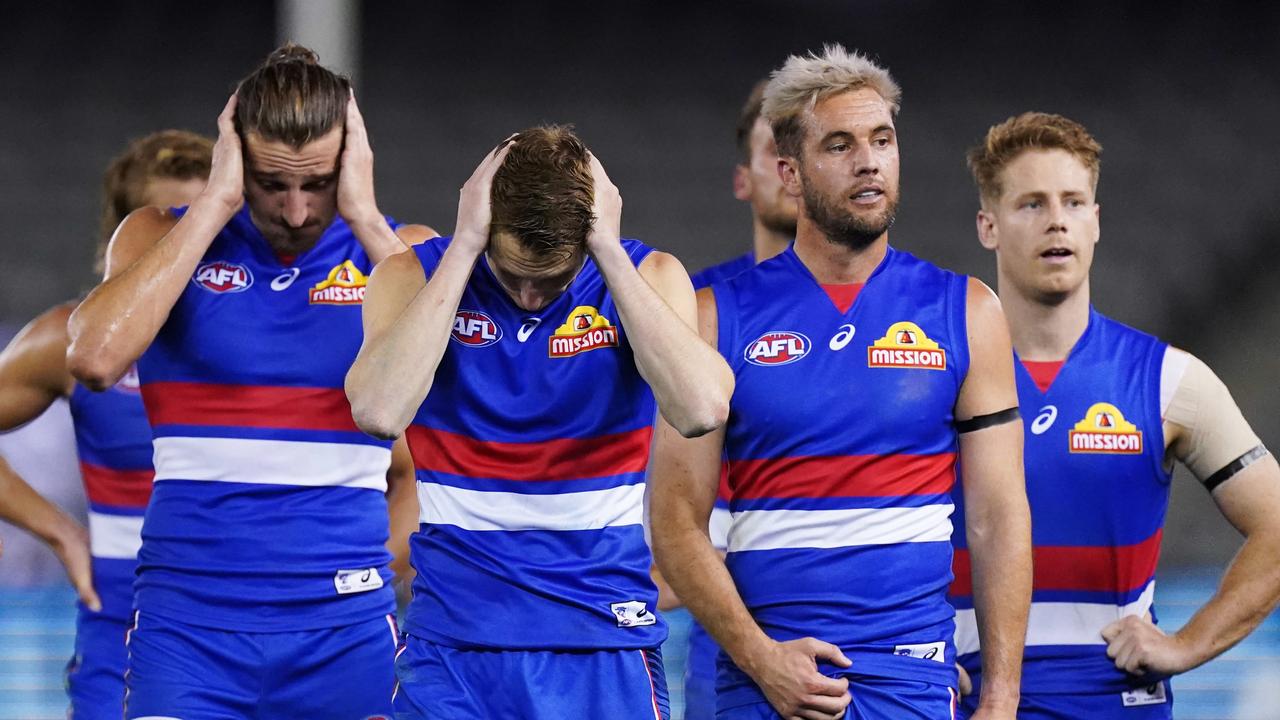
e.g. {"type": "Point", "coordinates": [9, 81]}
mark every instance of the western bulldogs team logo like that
{"type": "Point", "coordinates": [585, 329]}
{"type": "Point", "coordinates": [778, 347]}
{"type": "Point", "coordinates": [905, 345]}
{"type": "Point", "coordinates": [475, 329]}
{"type": "Point", "coordinates": [345, 285]}
{"type": "Point", "coordinates": [1104, 430]}
{"type": "Point", "coordinates": [221, 276]}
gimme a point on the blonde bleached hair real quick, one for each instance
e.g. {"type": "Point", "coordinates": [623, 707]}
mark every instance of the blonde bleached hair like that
{"type": "Point", "coordinates": [802, 81]}
{"type": "Point", "coordinates": [1030, 131]}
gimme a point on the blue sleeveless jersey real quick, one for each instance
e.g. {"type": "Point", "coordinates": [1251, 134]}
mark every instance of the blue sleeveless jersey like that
{"type": "Point", "coordinates": [1098, 491]}
{"type": "Point", "coordinates": [268, 511]}
{"type": "Point", "coordinates": [842, 452]}
{"type": "Point", "coordinates": [530, 451]}
{"type": "Point", "coordinates": [113, 441]}
{"type": "Point", "coordinates": [726, 270]}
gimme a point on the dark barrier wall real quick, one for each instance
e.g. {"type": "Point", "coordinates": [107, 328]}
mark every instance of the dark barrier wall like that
{"type": "Point", "coordinates": [1185, 100]}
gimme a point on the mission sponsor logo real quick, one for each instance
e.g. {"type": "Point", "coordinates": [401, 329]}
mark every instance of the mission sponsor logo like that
{"type": "Point", "coordinates": [221, 276]}
{"type": "Point", "coordinates": [585, 330]}
{"type": "Point", "coordinates": [1104, 430]}
{"type": "Point", "coordinates": [777, 347]}
{"type": "Point", "coordinates": [475, 329]}
{"type": "Point", "coordinates": [345, 285]}
{"type": "Point", "coordinates": [905, 345]}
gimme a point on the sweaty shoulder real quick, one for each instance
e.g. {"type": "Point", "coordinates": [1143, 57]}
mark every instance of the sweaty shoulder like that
{"type": "Point", "coordinates": [139, 231]}
{"type": "Point", "coordinates": [415, 234]}
{"type": "Point", "coordinates": [661, 266]}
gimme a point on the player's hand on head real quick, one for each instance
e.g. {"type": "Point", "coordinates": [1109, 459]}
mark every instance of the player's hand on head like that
{"type": "Point", "coordinates": [607, 208]}
{"type": "Point", "coordinates": [226, 173]}
{"type": "Point", "coordinates": [356, 201]}
{"type": "Point", "coordinates": [475, 209]}
{"type": "Point", "coordinates": [73, 552]}
{"type": "Point", "coordinates": [1138, 646]}
{"type": "Point", "coordinates": [788, 675]}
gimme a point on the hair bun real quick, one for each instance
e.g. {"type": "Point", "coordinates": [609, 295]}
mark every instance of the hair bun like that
{"type": "Point", "coordinates": [292, 52]}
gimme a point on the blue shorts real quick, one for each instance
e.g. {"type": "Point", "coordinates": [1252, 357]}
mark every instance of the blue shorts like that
{"type": "Point", "coordinates": [1151, 703]}
{"type": "Point", "coordinates": [875, 698]}
{"type": "Point", "coordinates": [195, 673]}
{"type": "Point", "coordinates": [444, 683]}
{"type": "Point", "coordinates": [700, 675]}
{"type": "Point", "coordinates": [95, 675]}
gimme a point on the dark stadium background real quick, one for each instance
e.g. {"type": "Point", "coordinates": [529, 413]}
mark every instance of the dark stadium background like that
{"type": "Point", "coordinates": [1184, 97]}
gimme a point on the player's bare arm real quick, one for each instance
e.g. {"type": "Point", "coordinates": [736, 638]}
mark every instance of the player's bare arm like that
{"type": "Point", "coordinates": [357, 203]}
{"type": "Point", "coordinates": [402, 507]}
{"type": "Point", "coordinates": [998, 518]}
{"type": "Point", "coordinates": [1205, 430]}
{"type": "Point", "coordinates": [407, 320]}
{"type": "Point", "coordinates": [33, 374]}
{"type": "Point", "coordinates": [684, 474]}
{"type": "Point", "coordinates": [690, 380]}
{"type": "Point", "coordinates": [149, 261]}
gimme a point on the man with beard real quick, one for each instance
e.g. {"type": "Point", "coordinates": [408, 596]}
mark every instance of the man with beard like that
{"type": "Point", "coordinates": [832, 599]}
{"type": "Point", "coordinates": [263, 589]}
{"type": "Point", "coordinates": [756, 181]}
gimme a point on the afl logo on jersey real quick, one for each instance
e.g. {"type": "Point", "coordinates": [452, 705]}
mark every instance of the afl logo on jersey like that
{"type": "Point", "coordinates": [778, 347]}
{"type": "Point", "coordinates": [1104, 430]}
{"type": "Point", "coordinates": [905, 345]}
{"type": "Point", "coordinates": [345, 285]}
{"type": "Point", "coordinates": [585, 329]}
{"type": "Point", "coordinates": [221, 276]}
{"type": "Point", "coordinates": [475, 329]}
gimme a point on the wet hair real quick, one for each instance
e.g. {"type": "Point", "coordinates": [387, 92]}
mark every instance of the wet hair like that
{"type": "Point", "coordinates": [291, 98]}
{"type": "Point", "coordinates": [796, 87]}
{"type": "Point", "coordinates": [164, 155]}
{"type": "Point", "coordinates": [544, 194]}
{"type": "Point", "coordinates": [1030, 131]}
{"type": "Point", "coordinates": [747, 117]}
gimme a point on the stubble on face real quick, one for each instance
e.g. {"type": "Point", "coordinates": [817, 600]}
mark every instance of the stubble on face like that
{"type": "Point", "coordinates": [843, 226]}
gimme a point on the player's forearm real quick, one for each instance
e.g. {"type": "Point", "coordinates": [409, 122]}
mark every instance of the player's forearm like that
{"type": "Point", "coordinates": [23, 507]}
{"type": "Point", "coordinates": [121, 317]}
{"type": "Point", "coordinates": [691, 382]}
{"type": "Point", "coordinates": [697, 573]}
{"type": "Point", "coordinates": [1000, 547]}
{"type": "Point", "coordinates": [395, 370]}
{"type": "Point", "coordinates": [1248, 593]}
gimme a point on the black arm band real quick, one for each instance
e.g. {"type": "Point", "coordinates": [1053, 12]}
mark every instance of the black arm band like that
{"type": "Point", "coordinates": [986, 421]}
{"type": "Point", "coordinates": [1234, 467]}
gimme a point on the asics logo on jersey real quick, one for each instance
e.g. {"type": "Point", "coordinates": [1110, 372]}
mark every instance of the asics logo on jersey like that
{"type": "Point", "coordinates": [905, 345]}
{"type": "Point", "coordinates": [585, 329]}
{"type": "Point", "coordinates": [1104, 430]}
{"type": "Point", "coordinates": [1044, 420]}
{"type": "Point", "coordinates": [221, 276]}
{"type": "Point", "coordinates": [842, 338]}
{"type": "Point", "coordinates": [527, 328]}
{"type": "Point", "coordinates": [778, 347]}
{"type": "Point", "coordinates": [475, 329]}
{"type": "Point", "coordinates": [285, 279]}
{"type": "Point", "coordinates": [345, 285]}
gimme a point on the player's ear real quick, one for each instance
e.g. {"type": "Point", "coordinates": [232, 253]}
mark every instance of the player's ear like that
{"type": "Point", "coordinates": [741, 182]}
{"type": "Point", "coordinates": [987, 232]}
{"type": "Point", "coordinates": [789, 171]}
{"type": "Point", "coordinates": [1097, 218]}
